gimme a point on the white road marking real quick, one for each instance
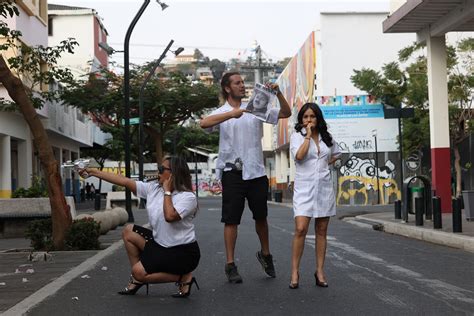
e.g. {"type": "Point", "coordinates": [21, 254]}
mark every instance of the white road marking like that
{"type": "Point", "coordinates": [441, 291]}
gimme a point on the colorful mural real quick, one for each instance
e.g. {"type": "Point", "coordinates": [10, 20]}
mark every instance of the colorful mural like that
{"type": "Point", "coordinates": [297, 85]}
{"type": "Point", "coordinates": [212, 187]}
{"type": "Point", "coordinates": [358, 179]}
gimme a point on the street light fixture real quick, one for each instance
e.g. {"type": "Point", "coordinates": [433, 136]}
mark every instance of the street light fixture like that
{"type": "Point", "coordinates": [141, 133]}
{"type": "Point", "coordinates": [374, 134]}
{"type": "Point", "coordinates": [108, 49]}
{"type": "Point", "coordinates": [126, 94]}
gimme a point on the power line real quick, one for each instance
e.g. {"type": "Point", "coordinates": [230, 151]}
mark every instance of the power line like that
{"type": "Point", "coordinates": [185, 46]}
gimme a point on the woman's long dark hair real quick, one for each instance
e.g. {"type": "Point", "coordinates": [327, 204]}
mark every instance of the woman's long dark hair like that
{"type": "Point", "coordinates": [321, 125]}
{"type": "Point", "coordinates": [180, 173]}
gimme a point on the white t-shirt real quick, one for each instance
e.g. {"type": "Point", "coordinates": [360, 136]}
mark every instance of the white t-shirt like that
{"type": "Point", "coordinates": [169, 234]}
{"type": "Point", "coordinates": [242, 138]}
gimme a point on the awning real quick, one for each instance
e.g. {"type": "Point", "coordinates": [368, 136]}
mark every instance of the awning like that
{"type": "Point", "coordinates": [432, 17]}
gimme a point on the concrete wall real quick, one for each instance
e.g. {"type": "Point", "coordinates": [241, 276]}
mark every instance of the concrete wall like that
{"type": "Point", "coordinates": [349, 41]}
{"type": "Point", "coordinates": [80, 27]}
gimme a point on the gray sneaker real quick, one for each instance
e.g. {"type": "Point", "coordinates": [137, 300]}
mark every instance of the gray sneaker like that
{"type": "Point", "coordinates": [267, 263]}
{"type": "Point", "coordinates": [232, 274]}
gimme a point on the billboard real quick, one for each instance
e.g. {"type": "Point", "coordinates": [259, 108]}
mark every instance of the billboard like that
{"type": "Point", "coordinates": [296, 83]}
{"type": "Point", "coordinates": [354, 120]}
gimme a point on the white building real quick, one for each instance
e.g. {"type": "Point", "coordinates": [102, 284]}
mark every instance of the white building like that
{"type": "Point", "coordinates": [68, 129]}
{"type": "Point", "coordinates": [344, 41]}
{"type": "Point", "coordinates": [85, 26]}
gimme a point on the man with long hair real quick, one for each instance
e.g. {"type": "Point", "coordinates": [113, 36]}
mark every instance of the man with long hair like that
{"type": "Point", "coordinates": [241, 169]}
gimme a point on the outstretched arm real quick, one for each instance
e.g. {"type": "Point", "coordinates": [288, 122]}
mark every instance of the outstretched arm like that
{"type": "Point", "coordinates": [213, 120]}
{"type": "Point", "coordinates": [112, 178]}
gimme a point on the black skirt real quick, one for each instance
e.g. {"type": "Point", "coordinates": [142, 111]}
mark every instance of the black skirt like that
{"type": "Point", "coordinates": [155, 258]}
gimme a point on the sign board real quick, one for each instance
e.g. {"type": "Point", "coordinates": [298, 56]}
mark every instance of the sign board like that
{"type": "Point", "coordinates": [353, 120]}
{"type": "Point", "coordinates": [133, 121]}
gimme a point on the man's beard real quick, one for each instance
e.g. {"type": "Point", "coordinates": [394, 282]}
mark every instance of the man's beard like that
{"type": "Point", "coordinates": [236, 97]}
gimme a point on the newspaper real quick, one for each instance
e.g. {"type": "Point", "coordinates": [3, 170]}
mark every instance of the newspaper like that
{"type": "Point", "coordinates": [261, 101]}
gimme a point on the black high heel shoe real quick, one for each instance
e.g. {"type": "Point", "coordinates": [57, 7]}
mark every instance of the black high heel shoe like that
{"type": "Point", "coordinates": [133, 291]}
{"type": "Point", "coordinates": [182, 294]}
{"type": "Point", "coordinates": [295, 285]}
{"type": "Point", "coordinates": [320, 283]}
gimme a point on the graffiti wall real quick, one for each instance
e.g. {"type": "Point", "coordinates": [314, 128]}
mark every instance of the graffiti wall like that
{"type": "Point", "coordinates": [357, 181]}
{"type": "Point", "coordinates": [211, 187]}
{"type": "Point", "coordinates": [297, 85]}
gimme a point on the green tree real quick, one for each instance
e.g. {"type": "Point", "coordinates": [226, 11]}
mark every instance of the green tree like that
{"type": "Point", "coordinates": [169, 100]}
{"type": "Point", "coordinates": [181, 137]}
{"type": "Point", "coordinates": [406, 82]}
{"type": "Point", "coordinates": [25, 73]}
{"type": "Point", "coordinates": [217, 67]}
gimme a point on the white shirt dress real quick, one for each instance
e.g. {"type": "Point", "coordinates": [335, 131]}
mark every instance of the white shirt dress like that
{"type": "Point", "coordinates": [313, 188]}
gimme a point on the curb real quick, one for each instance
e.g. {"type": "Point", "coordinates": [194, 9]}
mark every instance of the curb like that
{"type": "Point", "coordinates": [28, 303]}
{"type": "Point", "coordinates": [426, 234]}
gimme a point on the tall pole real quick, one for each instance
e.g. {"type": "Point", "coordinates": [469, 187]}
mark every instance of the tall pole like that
{"type": "Point", "coordinates": [377, 168]}
{"type": "Point", "coordinates": [126, 94]}
{"type": "Point", "coordinates": [196, 172]}
{"type": "Point", "coordinates": [400, 145]}
{"type": "Point", "coordinates": [141, 133]}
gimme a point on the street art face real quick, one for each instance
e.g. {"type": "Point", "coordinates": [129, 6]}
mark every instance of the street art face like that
{"type": "Point", "coordinates": [359, 176]}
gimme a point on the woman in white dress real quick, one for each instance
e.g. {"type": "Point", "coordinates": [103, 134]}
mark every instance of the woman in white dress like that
{"type": "Point", "coordinates": [313, 150]}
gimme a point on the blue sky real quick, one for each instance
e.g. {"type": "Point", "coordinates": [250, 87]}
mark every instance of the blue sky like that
{"type": "Point", "coordinates": [219, 28]}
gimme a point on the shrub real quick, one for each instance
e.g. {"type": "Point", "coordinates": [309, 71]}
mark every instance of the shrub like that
{"type": "Point", "coordinates": [40, 232]}
{"type": "Point", "coordinates": [83, 235]}
{"type": "Point", "coordinates": [37, 189]}
{"type": "Point", "coordinates": [117, 188]}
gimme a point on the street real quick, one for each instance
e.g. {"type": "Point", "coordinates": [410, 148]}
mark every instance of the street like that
{"type": "Point", "coordinates": [369, 272]}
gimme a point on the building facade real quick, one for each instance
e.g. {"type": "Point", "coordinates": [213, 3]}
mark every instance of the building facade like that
{"type": "Point", "coordinates": [68, 129]}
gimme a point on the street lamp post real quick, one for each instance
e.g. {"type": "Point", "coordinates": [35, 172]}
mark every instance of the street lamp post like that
{"type": "Point", "coordinates": [126, 95]}
{"type": "Point", "coordinates": [141, 134]}
{"type": "Point", "coordinates": [374, 134]}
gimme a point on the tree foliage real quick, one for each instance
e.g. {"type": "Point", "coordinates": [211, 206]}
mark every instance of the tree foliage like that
{"type": "Point", "coordinates": [406, 82]}
{"type": "Point", "coordinates": [169, 99]}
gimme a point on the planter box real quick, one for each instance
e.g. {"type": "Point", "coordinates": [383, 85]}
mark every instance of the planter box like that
{"type": "Point", "coordinates": [16, 213]}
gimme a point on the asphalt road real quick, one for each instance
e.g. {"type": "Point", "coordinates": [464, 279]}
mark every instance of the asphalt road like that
{"type": "Point", "coordinates": [369, 273]}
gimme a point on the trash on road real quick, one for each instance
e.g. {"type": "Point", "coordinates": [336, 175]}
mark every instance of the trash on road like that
{"type": "Point", "coordinates": [75, 298]}
{"type": "Point", "coordinates": [104, 268]}
{"type": "Point", "coordinates": [24, 280]}
{"type": "Point", "coordinates": [85, 276]}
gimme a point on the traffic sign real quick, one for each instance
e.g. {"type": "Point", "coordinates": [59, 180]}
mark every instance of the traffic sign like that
{"type": "Point", "coordinates": [133, 121]}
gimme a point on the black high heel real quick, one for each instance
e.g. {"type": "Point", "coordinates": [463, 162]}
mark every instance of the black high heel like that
{"type": "Point", "coordinates": [320, 283]}
{"type": "Point", "coordinates": [295, 285]}
{"type": "Point", "coordinates": [182, 294]}
{"type": "Point", "coordinates": [133, 291]}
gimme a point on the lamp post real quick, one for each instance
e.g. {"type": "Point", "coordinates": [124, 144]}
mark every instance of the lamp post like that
{"type": "Point", "coordinates": [141, 134]}
{"type": "Point", "coordinates": [126, 95]}
{"type": "Point", "coordinates": [374, 134]}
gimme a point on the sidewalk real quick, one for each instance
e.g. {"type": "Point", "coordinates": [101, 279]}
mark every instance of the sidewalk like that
{"type": "Point", "coordinates": [444, 236]}
{"type": "Point", "coordinates": [24, 282]}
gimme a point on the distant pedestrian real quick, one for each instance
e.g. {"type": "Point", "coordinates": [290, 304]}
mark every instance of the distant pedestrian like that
{"type": "Point", "coordinates": [313, 150]}
{"type": "Point", "coordinates": [92, 191]}
{"type": "Point", "coordinates": [169, 252]}
{"type": "Point", "coordinates": [241, 168]}
{"type": "Point", "coordinates": [88, 191]}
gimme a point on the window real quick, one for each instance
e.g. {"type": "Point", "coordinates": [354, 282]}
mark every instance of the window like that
{"type": "Point", "coordinates": [50, 26]}
{"type": "Point", "coordinates": [80, 116]}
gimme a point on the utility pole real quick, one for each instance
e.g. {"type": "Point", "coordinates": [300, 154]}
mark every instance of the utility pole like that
{"type": "Point", "coordinates": [258, 66]}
